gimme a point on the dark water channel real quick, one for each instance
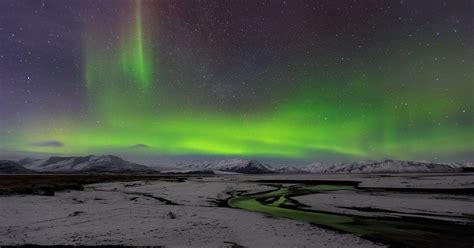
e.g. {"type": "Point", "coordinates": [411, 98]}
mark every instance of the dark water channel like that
{"type": "Point", "coordinates": [394, 231]}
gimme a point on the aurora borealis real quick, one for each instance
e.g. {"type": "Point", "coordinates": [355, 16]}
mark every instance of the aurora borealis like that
{"type": "Point", "coordinates": [297, 80]}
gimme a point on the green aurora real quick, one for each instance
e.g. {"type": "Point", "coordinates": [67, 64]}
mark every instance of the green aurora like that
{"type": "Point", "coordinates": [130, 109]}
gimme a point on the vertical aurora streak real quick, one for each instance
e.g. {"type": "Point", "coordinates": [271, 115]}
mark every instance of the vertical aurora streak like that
{"type": "Point", "coordinates": [135, 53]}
{"type": "Point", "coordinates": [119, 75]}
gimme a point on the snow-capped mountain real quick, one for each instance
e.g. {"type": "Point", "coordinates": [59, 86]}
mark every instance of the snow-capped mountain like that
{"type": "Point", "coordinates": [26, 161]}
{"type": "Point", "coordinates": [289, 169]}
{"type": "Point", "coordinates": [10, 167]}
{"type": "Point", "coordinates": [231, 165]}
{"type": "Point", "coordinates": [91, 163]}
{"type": "Point", "coordinates": [384, 166]}
{"type": "Point", "coordinates": [196, 165]}
{"type": "Point", "coordinates": [467, 166]}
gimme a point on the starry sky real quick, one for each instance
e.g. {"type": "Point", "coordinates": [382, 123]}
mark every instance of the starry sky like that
{"type": "Point", "coordinates": [296, 80]}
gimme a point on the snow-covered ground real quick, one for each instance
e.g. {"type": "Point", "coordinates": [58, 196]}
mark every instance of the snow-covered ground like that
{"type": "Point", "coordinates": [397, 180]}
{"type": "Point", "coordinates": [138, 213]}
{"type": "Point", "coordinates": [434, 206]}
{"type": "Point", "coordinates": [125, 214]}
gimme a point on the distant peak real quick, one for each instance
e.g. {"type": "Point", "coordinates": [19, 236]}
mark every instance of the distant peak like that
{"type": "Point", "coordinates": [246, 166]}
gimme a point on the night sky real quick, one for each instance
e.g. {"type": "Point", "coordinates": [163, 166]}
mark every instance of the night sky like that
{"type": "Point", "coordinates": [278, 80]}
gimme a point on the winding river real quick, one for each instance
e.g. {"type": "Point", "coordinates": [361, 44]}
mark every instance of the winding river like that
{"type": "Point", "coordinates": [395, 231]}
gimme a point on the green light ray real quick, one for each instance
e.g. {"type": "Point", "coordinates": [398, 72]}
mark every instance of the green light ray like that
{"type": "Point", "coordinates": [135, 57]}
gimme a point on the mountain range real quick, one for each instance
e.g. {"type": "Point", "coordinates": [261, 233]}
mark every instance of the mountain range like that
{"type": "Point", "coordinates": [383, 166]}
{"type": "Point", "coordinates": [230, 165]}
{"type": "Point", "coordinates": [12, 167]}
{"type": "Point", "coordinates": [91, 163]}
{"type": "Point", "coordinates": [114, 164]}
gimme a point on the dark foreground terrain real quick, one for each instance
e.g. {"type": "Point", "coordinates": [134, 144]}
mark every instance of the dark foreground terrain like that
{"type": "Point", "coordinates": [48, 184]}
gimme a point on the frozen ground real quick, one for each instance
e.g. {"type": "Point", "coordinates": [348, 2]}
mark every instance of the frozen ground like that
{"type": "Point", "coordinates": [180, 214]}
{"type": "Point", "coordinates": [457, 208]}
{"type": "Point", "coordinates": [409, 180]}
{"type": "Point", "coordinates": [447, 206]}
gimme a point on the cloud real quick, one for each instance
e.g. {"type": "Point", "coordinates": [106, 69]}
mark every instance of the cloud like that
{"type": "Point", "coordinates": [139, 146]}
{"type": "Point", "coordinates": [50, 143]}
